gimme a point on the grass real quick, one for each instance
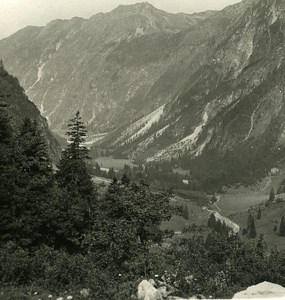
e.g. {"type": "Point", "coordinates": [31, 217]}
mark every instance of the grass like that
{"type": "Point", "coordinates": [197, 215]}
{"type": "Point", "coordinates": [34, 293]}
{"type": "Point", "coordinates": [270, 216]}
{"type": "Point", "coordinates": [110, 162]}
{"type": "Point", "coordinates": [235, 203]}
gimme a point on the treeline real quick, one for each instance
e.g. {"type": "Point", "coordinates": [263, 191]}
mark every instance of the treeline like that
{"type": "Point", "coordinates": [156, 174]}
{"type": "Point", "coordinates": [217, 226]}
{"type": "Point", "coordinates": [57, 229]}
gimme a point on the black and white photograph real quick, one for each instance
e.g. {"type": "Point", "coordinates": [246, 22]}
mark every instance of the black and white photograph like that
{"type": "Point", "coordinates": [142, 149]}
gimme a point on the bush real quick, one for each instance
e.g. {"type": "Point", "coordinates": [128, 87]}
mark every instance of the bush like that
{"type": "Point", "coordinates": [48, 268]}
{"type": "Point", "coordinates": [15, 264]}
{"type": "Point", "coordinates": [58, 269]}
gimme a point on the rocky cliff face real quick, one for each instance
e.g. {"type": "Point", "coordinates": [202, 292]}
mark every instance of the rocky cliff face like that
{"type": "Point", "coordinates": [19, 106]}
{"type": "Point", "coordinates": [204, 89]}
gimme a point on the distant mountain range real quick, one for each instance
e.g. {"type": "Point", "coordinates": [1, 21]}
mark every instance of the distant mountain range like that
{"type": "Point", "coordinates": [205, 90]}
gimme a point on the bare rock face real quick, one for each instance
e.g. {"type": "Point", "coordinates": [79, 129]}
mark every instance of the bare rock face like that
{"type": "Point", "coordinates": [262, 290]}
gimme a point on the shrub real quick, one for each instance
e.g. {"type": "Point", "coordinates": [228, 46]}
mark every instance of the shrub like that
{"type": "Point", "coordinates": [15, 264]}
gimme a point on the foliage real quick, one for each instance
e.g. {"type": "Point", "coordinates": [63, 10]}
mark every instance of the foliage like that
{"type": "Point", "coordinates": [58, 232]}
{"type": "Point", "coordinates": [77, 133]}
{"type": "Point", "coordinates": [258, 217]}
{"type": "Point", "coordinates": [251, 230]}
{"type": "Point", "coordinates": [272, 195]}
{"type": "Point", "coordinates": [128, 220]}
{"type": "Point", "coordinates": [282, 227]}
{"type": "Point", "coordinates": [77, 207]}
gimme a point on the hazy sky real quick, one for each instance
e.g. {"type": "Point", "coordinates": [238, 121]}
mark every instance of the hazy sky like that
{"type": "Point", "coordinates": [16, 14]}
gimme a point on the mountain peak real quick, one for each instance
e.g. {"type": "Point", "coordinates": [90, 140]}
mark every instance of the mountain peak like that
{"type": "Point", "coordinates": [138, 5]}
{"type": "Point", "coordinates": [141, 7]}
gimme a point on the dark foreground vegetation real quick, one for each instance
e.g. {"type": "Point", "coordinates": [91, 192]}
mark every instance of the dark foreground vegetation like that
{"type": "Point", "coordinates": [59, 230]}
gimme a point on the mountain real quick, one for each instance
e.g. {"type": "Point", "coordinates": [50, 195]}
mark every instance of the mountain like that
{"type": "Point", "coordinates": [100, 66]}
{"type": "Point", "coordinates": [205, 91]}
{"type": "Point", "coordinates": [226, 124]}
{"type": "Point", "coordinates": [19, 107]}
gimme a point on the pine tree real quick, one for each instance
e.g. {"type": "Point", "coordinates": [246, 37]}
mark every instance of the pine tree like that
{"type": "Point", "coordinates": [272, 195]}
{"type": "Point", "coordinates": [111, 173]}
{"type": "Point", "coordinates": [251, 227]}
{"type": "Point", "coordinates": [8, 176]}
{"type": "Point", "coordinates": [33, 155]}
{"type": "Point", "coordinates": [77, 133]}
{"type": "Point", "coordinates": [72, 171]}
{"type": "Point", "coordinates": [125, 179]}
{"type": "Point", "coordinates": [282, 227]}
{"type": "Point", "coordinates": [212, 221]}
{"type": "Point", "coordinates": [259, 214]}
{"type": "Point", "coordinates": [26, 183]}
{"type": "Point", "coordinates": [186, 212]}
{"type": "Point", "coordinates": [218, 226]}
{"type": "Point", "coordinates": [35, 181]}
{"type": "Point", "coordinates": [78, 207]}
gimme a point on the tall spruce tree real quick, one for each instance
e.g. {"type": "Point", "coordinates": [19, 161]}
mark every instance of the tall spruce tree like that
{"type": "Point", "coordinates": [76, 133]}
{"type": "Point", "coordinates": [35, 182]}
{"type": "Point", "coordinates": [26, 179]}
{"type": "Point", "coordinates": [72, 176]}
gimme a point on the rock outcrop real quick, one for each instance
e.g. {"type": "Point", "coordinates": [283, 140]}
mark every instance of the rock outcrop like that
{"type": "Point", "coordinates": [146, 291]}
{"type": "Point", "coordinates": [262, 291]}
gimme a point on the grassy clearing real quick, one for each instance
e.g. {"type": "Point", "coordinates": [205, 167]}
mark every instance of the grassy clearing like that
{"type": "Point", "coordinates": [110, 162]}
{"type": "Point", "coordinates": [271, 216]}
{"type": "Point", "coordinates": [197, 215]}
{"type": "Point", "coordinates": [232, 204]}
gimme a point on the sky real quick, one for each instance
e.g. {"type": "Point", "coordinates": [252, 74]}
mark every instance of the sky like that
{"type": "Point", "coordinates": [17, 14]}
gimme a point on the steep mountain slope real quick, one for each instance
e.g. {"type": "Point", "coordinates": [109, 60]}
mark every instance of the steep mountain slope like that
{"type": "Point", "coordinates": [103, 66]}
{"type": "Point", "coordinates": [228, 120]}
{"type": "Point", "coordinates": [19, 106]}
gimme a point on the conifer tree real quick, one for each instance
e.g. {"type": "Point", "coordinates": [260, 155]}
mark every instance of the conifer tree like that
{"type": "Point", "coordinates": [76, 133]}
{"type": "Point", "coordinates": [258, 214]}
{"type": "Point", "coordinates": [251, 227]}
{"type": "Point", "coordinates": [212, 221]}
{"type": "Point", "coordinates": [282, 227]}
{"type": "Point", "coordinates": [35, 181]}
{"type": "Point", "coordinates": [186, 212]}
{"type": "Point", "coordinates": [33, 155]}
{"type": "Point", "coordinates": [26, 183]}
{"type": "Point", "coordinates": [78, 207]}
{"type": "Point", "coordinates": [72, 171]}
{"type": "Point", "coordinates": [272, 195]}
{"type": "Point", "coordinates": [8, 175]}
{"type": "Point", "coordinates": [218, 226]}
